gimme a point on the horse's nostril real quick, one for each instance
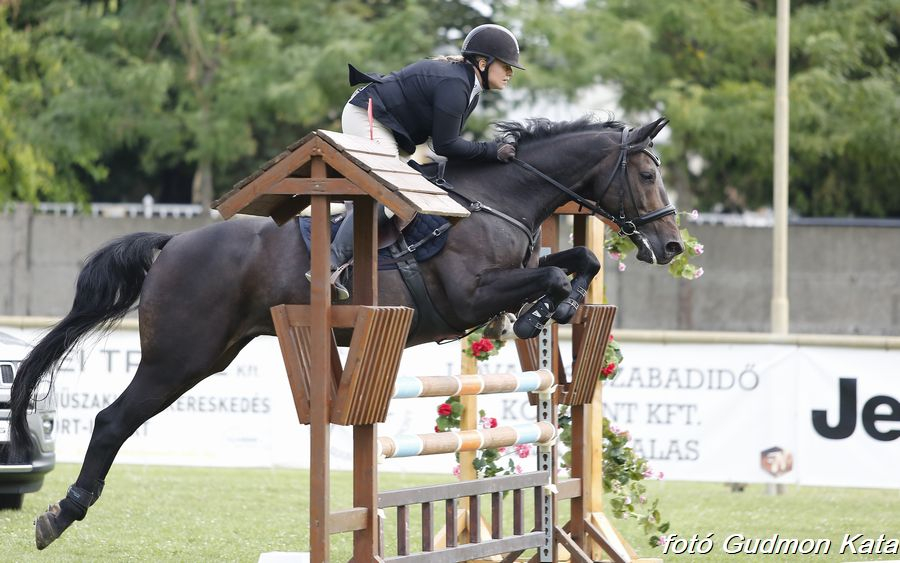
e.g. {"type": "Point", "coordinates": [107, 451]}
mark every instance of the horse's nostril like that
{"type": "Point", "coordinates": [674, 248]}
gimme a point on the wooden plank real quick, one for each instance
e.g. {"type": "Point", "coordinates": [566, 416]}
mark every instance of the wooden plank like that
{"type": "Point", "coordinates": [347, 520]}
{"type": "Point", "coordinates": [235, 201]}
{"type": "Point", "coordinates": [474, 550]}
{"type": "Point", "coordinates": [345, 142]}
{"type": "Point", "coordinates": [575, 552]}
{"type": "Point", "coordinates": [434, 204]}
{"type": "Point", "coordinates": [410, 181]}
{"type": "Point", "coordinates": [427, 526]}
{"type": "Point", "coordinates": [382, 163]}
{"type": "Point", "coordinates": [611, 549]}
{"type": "Point", "coordinates": [568, 489]}
{"type": "Point", "coordinates": [434, 493]}
{"type": "Point", "coordinates": [403, 530]}
{"type": "Point", "coordinates": [315, 186]}
{"type": "Point", "coordinates": [292, 353]}
{"type": "Point", "coordinates": [368, 184]}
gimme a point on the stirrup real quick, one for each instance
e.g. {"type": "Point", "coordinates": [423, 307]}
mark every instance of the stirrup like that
{"type": "Point", "coordinates": [335, 280]}
{"type": "Point", "coordinates": [340, 291]}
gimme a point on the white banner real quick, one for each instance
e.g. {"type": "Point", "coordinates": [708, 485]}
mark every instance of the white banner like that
{"type": "Point", "coordinates": [729, 413]}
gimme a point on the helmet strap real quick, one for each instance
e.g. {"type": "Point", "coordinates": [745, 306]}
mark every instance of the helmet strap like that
{"type": "Point", "coordinates": [485, 85]}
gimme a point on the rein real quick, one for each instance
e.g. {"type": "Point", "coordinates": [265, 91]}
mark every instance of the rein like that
{"type": "Point", "coordinates": [626, 226]}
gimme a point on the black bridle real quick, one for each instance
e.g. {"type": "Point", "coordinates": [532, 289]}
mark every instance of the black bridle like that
{"type": "Point", "coordinates": [626, 226]}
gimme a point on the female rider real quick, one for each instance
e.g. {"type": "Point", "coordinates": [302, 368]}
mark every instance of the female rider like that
{"type": "Point", "coordinates": [427, 101]}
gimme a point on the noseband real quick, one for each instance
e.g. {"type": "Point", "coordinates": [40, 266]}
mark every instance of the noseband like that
{"type": "Point", "coordinates": [627, 227]}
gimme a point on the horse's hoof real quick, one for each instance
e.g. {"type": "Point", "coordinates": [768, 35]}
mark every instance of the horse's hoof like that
{"type": "Point", "coordinates": [565, 311]}
{"type": "Point", "coordinates": [527, 327]}
{"type": "Point", "coordinates": [45, 527]}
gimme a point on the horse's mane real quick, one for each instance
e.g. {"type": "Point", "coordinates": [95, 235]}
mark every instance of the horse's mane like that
{"type": "Point", "coordinates": [539, 128]}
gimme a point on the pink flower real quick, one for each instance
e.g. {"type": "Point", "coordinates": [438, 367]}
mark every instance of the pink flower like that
{"type": "Point", "coordinates": [698, 249]}
{"type": "Point", "coordinates": [615, 255]}
{"type": "Point", "coordinates": [642, 499]}
{"type": "Point", "coordinates": [695, 214]}
{"type": "Point", "coordinates": [698, 273]}
{"type": "Point", "coordinates": [622, 266]}
{"type": "Point", "coordinates": [660, 475]}
{"type": "Point", "coordinates": [663, 540]}
{"type": "Point", "coordinates": [501, 450]}
{"type": "Point", "coordinates": [456, 471]}
{"type": "Point", "coordinates": [523, 450]}
{"type": "Point", "coordinates": [518, 469]}
{"type": "Point", "coordinates": [488, 422]}
{"type": "Point", "coordinates": [648, 473]}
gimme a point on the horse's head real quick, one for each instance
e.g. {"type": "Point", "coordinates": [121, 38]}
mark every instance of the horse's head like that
{"type": "Point", "coordinates": [631, 190]}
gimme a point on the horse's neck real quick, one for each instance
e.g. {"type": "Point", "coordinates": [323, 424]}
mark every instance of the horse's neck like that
{"type": "Point", "coordinates": [529, 198]}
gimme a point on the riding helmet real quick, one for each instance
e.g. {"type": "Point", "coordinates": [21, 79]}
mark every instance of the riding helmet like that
{"type": "Point", "coordinates": [493, 41]}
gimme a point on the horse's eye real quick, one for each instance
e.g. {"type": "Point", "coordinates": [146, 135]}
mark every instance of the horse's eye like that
{"type": "Point", "coordinates": [647, 176]}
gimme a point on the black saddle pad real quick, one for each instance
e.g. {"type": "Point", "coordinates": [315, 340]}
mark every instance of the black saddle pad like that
{"type": "Point", "coordinates": [421, 226]}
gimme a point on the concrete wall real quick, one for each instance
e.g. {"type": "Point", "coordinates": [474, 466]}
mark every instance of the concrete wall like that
{"type": "Point", "coordinates": [843, 279]}
{"type": "Point", "coordinates": [41, 255]}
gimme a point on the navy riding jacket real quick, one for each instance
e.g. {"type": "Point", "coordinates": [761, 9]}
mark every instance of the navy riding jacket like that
{"type": "Point", "coordinates": [429, 98]}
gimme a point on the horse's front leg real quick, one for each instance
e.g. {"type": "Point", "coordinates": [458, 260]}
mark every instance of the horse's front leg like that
{"type": "Point", "coordinates": [500, 290]}
{"type": "Point", "coordinates": [581, 262]}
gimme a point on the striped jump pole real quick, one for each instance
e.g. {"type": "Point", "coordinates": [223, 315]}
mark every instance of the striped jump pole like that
{"type": "Point", "coordinates": [458, 385]}
{"type": "Point", "coordinates": [466, 440]}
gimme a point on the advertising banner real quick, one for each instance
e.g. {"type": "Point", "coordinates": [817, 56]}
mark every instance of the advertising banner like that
{"type": "Point", "coordinates": [744, 413]}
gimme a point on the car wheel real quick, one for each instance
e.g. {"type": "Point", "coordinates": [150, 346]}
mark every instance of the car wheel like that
{"type": "Point", "coordinates": [11, 502]}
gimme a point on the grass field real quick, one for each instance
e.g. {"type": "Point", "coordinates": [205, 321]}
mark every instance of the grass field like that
{"type": "Point", "coordinates": [203, 514]}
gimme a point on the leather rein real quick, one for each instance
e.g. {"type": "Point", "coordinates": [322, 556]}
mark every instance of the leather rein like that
{"type": "Point", "coordinates": [626, 226]}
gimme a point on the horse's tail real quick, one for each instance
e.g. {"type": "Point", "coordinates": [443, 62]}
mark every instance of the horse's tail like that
{"type": "Point", "coordinates": [108, 285]}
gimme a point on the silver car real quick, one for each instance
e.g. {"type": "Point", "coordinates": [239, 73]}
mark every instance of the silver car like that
{"type": "Point", "coordinates": [18, 479]}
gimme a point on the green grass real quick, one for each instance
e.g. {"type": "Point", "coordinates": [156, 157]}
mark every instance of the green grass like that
{"type": "Point", "coordinates": [202, 514]}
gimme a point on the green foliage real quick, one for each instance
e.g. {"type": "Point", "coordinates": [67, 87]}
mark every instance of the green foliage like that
{"type": "Point", "coordinates": [709, 66]}
{"type": "Point", "coordinates": [109, 99]}
{"type": "Point", "coordinates": [112, 100]}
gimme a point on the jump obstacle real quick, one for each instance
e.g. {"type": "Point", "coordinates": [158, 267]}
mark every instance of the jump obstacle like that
{"type": "Point", "coordinates": [326, 165]}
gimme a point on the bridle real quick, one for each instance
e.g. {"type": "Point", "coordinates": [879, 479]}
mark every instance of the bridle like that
{"type": "Point", "coordinates": [627, 227]}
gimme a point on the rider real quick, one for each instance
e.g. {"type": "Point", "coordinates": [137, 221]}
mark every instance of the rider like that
{"type": "Point", "coordinates": [427, 101]}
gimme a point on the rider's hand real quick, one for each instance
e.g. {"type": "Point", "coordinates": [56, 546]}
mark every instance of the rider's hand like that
{"type": "Point", "coordinates": [506, 152]}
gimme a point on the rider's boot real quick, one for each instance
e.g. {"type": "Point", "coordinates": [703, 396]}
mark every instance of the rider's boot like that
{"type": "Point", "coordinates": [341, 253]}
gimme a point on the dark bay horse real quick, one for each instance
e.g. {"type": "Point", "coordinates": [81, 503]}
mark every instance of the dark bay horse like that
{"type": "Point", "coordinates": [206, 293]}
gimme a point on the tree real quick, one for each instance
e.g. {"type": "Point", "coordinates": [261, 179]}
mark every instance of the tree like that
{"type": "Point", "coordinates": [709, 66]}
{"type": "Point", "coordinates": [133, 96]}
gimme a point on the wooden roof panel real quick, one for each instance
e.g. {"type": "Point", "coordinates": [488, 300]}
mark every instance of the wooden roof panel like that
{"type": "Point", "coordinates": [360, 165]}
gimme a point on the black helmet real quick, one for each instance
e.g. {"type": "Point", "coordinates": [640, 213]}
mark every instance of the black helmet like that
{"type": "Point", "coordinates": [494, 41]}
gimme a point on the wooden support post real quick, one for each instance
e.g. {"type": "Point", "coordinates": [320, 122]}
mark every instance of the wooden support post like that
{"type": "Point", "coordinates": [365, 436]}
{"type": "Point", "coordinates": [320, 401]}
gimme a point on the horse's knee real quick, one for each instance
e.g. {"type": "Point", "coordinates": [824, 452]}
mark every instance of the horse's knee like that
{"type": "Point", "coordinates": [558, 284]}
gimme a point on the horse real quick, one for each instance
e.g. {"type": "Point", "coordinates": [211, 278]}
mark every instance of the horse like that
{"type": "Point", "coordinates": [204, 294]}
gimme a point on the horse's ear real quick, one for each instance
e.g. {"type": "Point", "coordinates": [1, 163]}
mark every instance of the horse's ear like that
{"type": "Point", "coordinates": [647, 131]}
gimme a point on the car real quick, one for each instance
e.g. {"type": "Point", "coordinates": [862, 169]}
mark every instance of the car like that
{"type": "Point", "coordinates": [16, 479]}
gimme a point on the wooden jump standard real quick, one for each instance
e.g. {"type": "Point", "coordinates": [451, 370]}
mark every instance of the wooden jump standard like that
{"type": "Point", "coordinates": [310, 173]}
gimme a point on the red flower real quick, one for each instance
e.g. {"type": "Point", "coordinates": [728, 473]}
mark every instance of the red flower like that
{"type": "Point", "coordinates": [444, 409]}
{"type": "Point", "coordinates": [437, 429]}
{"type": "Point", "coordinates": [609, 369]}
{"type": "Point", "coordinates": [482, 346]}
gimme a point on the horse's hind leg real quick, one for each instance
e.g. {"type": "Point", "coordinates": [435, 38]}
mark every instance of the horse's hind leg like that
{"type": "Point", "coordinates": [155, 386]}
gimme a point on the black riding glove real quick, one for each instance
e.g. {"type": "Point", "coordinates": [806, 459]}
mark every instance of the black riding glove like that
{"type": "Point", "coordinates": [506, 152]}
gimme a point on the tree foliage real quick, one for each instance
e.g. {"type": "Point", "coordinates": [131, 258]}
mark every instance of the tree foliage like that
{"type": "Point", "coordinates": [112, 99]}
{"type": "Point", "coordinates": [709, 66]}
{"type": "Point", "coordinates": [116, 99]}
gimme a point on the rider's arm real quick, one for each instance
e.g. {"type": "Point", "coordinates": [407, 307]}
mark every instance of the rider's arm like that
{"type": "Point", "coordinates": [451, 102]}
